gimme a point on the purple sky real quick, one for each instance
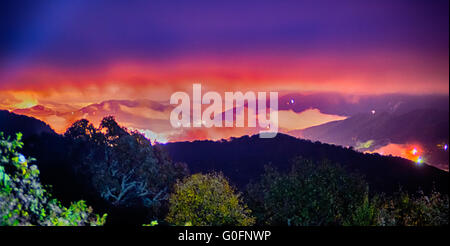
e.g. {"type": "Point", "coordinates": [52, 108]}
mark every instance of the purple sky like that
{"type": "Point", "coordinates": [82, 33]}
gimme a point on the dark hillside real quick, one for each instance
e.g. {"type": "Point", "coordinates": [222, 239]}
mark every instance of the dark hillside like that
{"type": "Point", "coordinates": [11, 123]}
{"type": "Point", "coordinates": [242, 159]}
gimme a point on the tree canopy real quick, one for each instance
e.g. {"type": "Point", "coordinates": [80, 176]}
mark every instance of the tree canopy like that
{"type": "Point", "coordinates": [207, 200]}
{"type": "Point", "coordinates": [123, 166]}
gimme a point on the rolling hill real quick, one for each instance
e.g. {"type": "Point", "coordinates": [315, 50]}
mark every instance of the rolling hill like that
{"type": "Point", "coordinates": [424, 125]}
{"type": "Point", "coordinates": [242, 159]}
{"type": "Point", "coordinates": [11, 123]}
{"type": "Point", "coordinates": [427, 128]}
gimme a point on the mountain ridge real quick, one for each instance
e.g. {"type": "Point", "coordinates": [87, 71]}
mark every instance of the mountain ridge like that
{"type": "Point", "coordinates": [242, 159]}
{"type": "Point", "coordinates": [11, 123]}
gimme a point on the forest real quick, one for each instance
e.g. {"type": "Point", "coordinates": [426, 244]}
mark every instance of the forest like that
{"type": "Point", "coordinates": [109, 175]}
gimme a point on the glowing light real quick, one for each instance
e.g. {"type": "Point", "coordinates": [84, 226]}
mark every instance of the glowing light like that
{"type": "Point", "coordinates": [373, 111]}
{"type": "Point", "coordinates": [292, 101]}
{"type": "Point", "coordinates": [419, 160]}
{"type": "Point", "coordinates": [27, 103]}
{"type": "Point", "coordinates": [443, 146]}
{"type": "Point", "coordinates": [415, 154]}
{"type": "Point", "coordinates": [364, 145]}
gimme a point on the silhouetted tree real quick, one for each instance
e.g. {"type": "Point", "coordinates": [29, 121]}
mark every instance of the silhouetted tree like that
{"type": "Point", "coordinates": [123, 167]}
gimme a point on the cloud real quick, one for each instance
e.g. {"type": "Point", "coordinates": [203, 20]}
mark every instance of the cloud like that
{"type": "Point", "coordinates": [289, 120]}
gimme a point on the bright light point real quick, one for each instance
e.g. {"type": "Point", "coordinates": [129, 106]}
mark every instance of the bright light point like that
{"type": "Point", "coordinates": [373, 111]}
{"type": "Point", "coordinates": [414, 151]}
{"type": "Point", "coordinates": [445, 147]}
{"type": "Point", "coordinates": [292, 101]}
{"type": "Point", "coordinates": [419, 160]}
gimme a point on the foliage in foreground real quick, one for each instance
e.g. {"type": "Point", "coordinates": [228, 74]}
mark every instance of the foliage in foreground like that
{"type": "Point", "coordinates": [310, 194]}
{"type": "Point", "coordinates": [120, 164]}
{"type": "Point", "coordinates": [207, 200]}
{"type": "Point", "coordinates": [325, 194]}
{"type": "Point", "coordinates": [403, 209]}
{"type": "Point", "coordinates": [23, 199]}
